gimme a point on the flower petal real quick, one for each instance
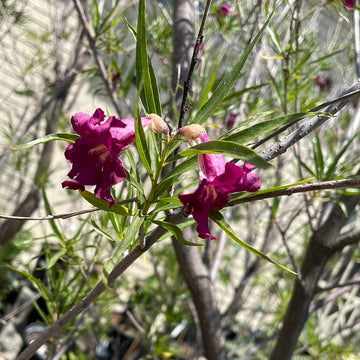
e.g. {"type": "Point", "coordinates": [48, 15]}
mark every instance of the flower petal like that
{"type": "Point", "coordinates": [199, 202]}
{"type": "Point", "coordinates": [94, 156]}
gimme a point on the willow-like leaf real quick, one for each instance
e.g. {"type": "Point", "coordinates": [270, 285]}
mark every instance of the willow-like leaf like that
{"type": "Point", "coordinates": [130, 237]}
{"type": "Point", "coordinates": [234, 197]}
{"type": "Point", "coordinates": [104, 205]}
{"type": "Point", "coordinates": [144, 72]}
{"type": "Point", "coordinates": [70, 138]}
{"type": "Point", "coordinates": [53, 225]}
{"type": "Point", "coordinates": [227, 81]}
{"type": "Point", "coordinates": [265, 127]}
{"type": "Point", "coordinates": [217, 217]}
{"type": "Point", "coordinates": [141, 142]}
{"type": "Point", "coordinates": [226, 148]}
{"type": "Point", "coordinates": [176, 231]}
{"type": "Point", "coordinates": [173, 175]}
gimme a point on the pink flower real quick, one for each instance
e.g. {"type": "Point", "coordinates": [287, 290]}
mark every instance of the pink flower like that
{"type": "Point", "coordinates": [218, 179]}
{"type": "Point", "coordinates": [115, 78]}
{"type": "Point", "coordinates": [323, 83]}
{"type": "Point", "coordinates": [95, 155]}
{"type": "Point", "coordinates": [350, 4]}
{"type": "Point", "coordinates": [231, 120]}
{"type": "Point", "coordinates": [224, 10]}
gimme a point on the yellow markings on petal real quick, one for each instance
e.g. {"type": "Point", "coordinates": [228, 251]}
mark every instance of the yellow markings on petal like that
{"type": "Point", "coordinates": [102, 151]}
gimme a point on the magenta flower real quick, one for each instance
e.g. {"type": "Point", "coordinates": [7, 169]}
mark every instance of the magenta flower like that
{"type": "Point", "coordinates": [350, 4]}
{"type": "Point", "coordinates": [115, 78]}
{"type": "Point", "coordinates": [224, 10]}
{"type": "Point", "coordinates": [323, 83]}
{"type": "Point", "coordinates": [218, 179]}
{"type": "Point", "coordinates": [231, 120]}
{"type": "Point", "coordinates": [95, 155]}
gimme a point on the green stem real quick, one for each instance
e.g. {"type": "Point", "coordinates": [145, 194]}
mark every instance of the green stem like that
{"type": "Point", "coordinates": [154, 184]}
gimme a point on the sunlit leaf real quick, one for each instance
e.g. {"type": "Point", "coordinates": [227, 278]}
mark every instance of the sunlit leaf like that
{"type": "Point", "coordinates": [217, 217]}
{"type": "Point", "coordinates": [145, 76]}
{"type": "Point", "coordinates": [234, 197]}
{"type": "Point", "coordinates": [264, 127]}
{"type": "Point", "coordinates": [141, 142]}
{"type": "Point", "coordinates": [226, 148]}
{"type": "Point", "coordinates": [227, 82]}
{"type": "Point", "coordinates": [187, 165]}
{"type": "Point", "coordinates": [37, 283]}
{"type": "Point", "coordinates": [70, 138]}
{"type": "Point", "coordinates": [105, 205]}
{"type": "Point", "coordinates": [176, 232]}
{"type": "Point", "coordinates": [129, 238]}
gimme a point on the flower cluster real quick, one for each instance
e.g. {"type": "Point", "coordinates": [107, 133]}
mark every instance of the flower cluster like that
{"type": "Point", "coordinates": [95, 154]}
{"type": "Point", "coordinates": [95, 161]}
{"type": "Point", "coordinates": [218, 179]}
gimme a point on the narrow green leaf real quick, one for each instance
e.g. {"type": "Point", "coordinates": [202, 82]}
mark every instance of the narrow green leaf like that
{"type": "Point", "coordinates": [51, 137]}
{"type": "Point", "coordinates": [207, 85]}
{"type": "Point", "coordinates": [154, 153]}
{"type": "Point", "coordinates": [263, 128]}
{"type": "Point", "coordinates": [117, 225]}
{"type": "Point", "coordinates": [141, 142]}
{"type": "Point", "coordinates": [237, 94]}
{"type": "Point", "coordinates": [226, 148]}
{"type": "Point", "coordinates": [238, 196]}
{"type": "Point", "coordinates": [45, 293]}
{"type": "Point", "coordinates": [172, 176]}
{"type": "Point", "coordinates": [227, 82]}
{"type": "Point", "coordinates": [155, 89]}
{"type": "Point", "coordinates": [166, 203]}
{"type": "Point", "coordinates": [105, 205]}
{"type": "Point", "coordinates": [217, 217]}
{"type": "Point", "coordinates": [102, 232]}
{"type": "Point", "coordinates": [52, 223]}
{"type": "Point", "coordinates": [136, 184]}
{"type": "Point", "coordinates": [54, 258]}
{"type": "Point", "coordinates": [176, 231]}
{"type": "Point", "coordinates": [143, 74]}
{"type": "Point", "coordinates": [129, 238]}
{"type": "Point", "coordinates": [318, 157]}
{"type": "Point", "coordinates": [330, 167]}
{"type": "Point", "coordinates": [305, 166]}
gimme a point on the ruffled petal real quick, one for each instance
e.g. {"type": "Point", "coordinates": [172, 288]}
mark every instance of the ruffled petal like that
{"type": "Point", "coordinates": [210, 165]}
{"type": "Point", "coordinates": [73, 185]}
{"type": "Point", "coordinates": [95, 155]}
{"type": "Point", "coordinates": [198, 204]}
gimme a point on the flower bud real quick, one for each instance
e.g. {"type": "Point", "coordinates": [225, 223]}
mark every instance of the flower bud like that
{"type": "Point", "coordinates": [157, 124]}
{"type": "Point", "coordinates": [192, 132]}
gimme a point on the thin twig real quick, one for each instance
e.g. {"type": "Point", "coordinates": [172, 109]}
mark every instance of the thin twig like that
{"type": "Point", "coordinates": [176, 217]}
{"type": "Point", "coordinates": [187, 85]}
{"type": "Point", "coordinates": [310, 125]}
{"type": "Point", "coordinates": [91, 38]}
{"type": "Point", "coordinates": [49, 217]}
{"type": "Point", "coordinates": [65, 215]}
{"type": "Point", "coordinates": [19, 309]}
{"type": "Point", "coordinates": [325, 185]}
{"type": "Point", "coordinates": [343, 99]}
